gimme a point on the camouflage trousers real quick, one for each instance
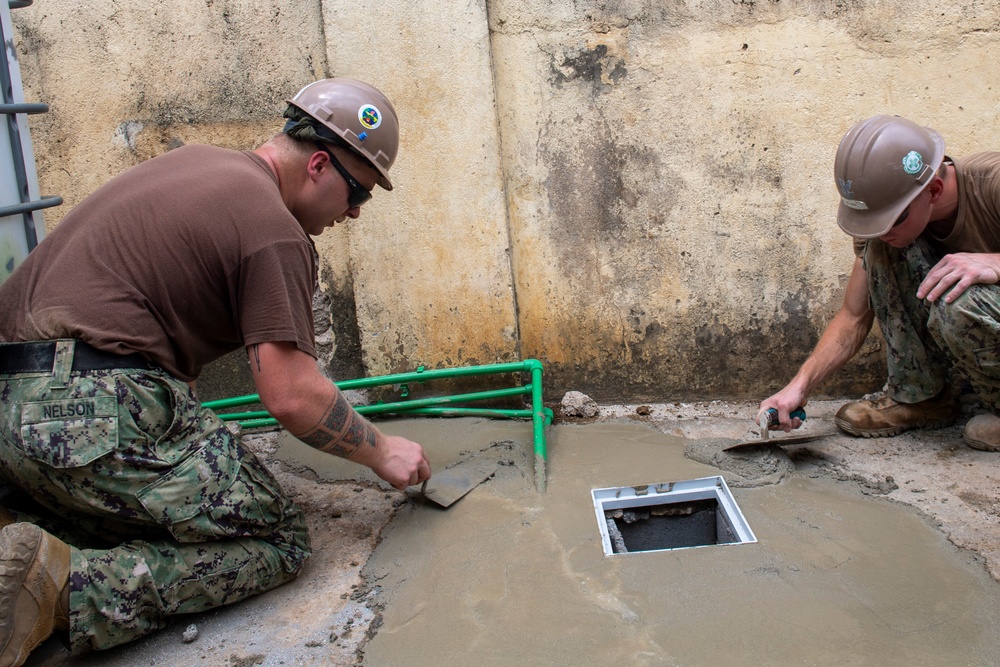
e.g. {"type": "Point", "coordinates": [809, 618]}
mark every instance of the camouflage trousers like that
{"type": "Point", "coordinates": [166, 511]}
{"type": "Point", "coordinates": [923, 339]}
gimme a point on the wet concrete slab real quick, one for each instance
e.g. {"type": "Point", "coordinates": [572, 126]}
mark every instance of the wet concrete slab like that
{"type": "Point", "coordinates": [508, 576]}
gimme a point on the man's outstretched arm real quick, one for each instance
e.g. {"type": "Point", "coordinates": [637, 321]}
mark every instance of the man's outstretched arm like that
{"type": "Point", "coordinates": [842, 339]}
{"type": "Point", "coordinates": [311, 407]}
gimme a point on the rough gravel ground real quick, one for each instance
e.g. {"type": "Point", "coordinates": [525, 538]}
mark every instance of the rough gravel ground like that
{"type": "Point", "coordinates": [326, 616]}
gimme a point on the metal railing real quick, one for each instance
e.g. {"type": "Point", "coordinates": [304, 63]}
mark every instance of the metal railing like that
{"type": "Point", "coordinates": [14, 109]}
{"type": "Point", "coordinates": [441, 406]}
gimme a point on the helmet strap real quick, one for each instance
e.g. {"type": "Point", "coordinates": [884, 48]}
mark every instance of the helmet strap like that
{"type": "Point", "coordinates": [926, 174]}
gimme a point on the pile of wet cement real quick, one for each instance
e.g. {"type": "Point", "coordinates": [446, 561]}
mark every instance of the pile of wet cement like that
{"type": "Point", "coordinates": [750, 466]}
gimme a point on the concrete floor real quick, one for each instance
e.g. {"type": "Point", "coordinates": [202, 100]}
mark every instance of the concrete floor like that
{"type": "Point", "coordinates": [509, 577]}
{"type": "Point", "coordinates": [856, 561]}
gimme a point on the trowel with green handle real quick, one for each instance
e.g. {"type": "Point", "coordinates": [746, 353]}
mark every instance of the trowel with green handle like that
{"type": "Point", "coordinates": [770, 418]}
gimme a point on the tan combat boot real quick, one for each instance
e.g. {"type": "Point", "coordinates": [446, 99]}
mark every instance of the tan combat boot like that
{"type": "Point", "coordinates": [885, 417]}
{"type": "Point", "coordinates": [983, 432]}
{"type": "Point", "coordinates": [34, 590]}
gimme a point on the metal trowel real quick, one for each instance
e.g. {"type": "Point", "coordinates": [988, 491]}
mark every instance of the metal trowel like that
{"type": "Point", "coordinates": [448, 486]}
{"type": "Point", "coordinates": [770, 418]}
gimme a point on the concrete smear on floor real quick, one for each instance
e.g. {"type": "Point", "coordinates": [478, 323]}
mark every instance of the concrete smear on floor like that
{"type": "Point", "coordinates": [507, 576]}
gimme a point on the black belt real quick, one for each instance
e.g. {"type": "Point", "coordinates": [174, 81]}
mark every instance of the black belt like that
{"type": "Point", "coordinates": [39, 356]}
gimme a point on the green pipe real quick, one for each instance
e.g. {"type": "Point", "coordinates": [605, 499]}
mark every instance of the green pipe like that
{"type": "Point", "coordinates": [458, 411]}
{"type": "Point", "coordinates": [442, 400]}
{"type": "Point", "coordinates": [440, 411]}
{"type": "Point", "coordinates": [397, 378]}
{"type": "Point", "coordinates": [538, 426]}
{"type": "Point", "coordinates": [540, 415]}
{"type": "Point", "coordinates": [242, 416]}
{"type": "Point", "coordinates": [379, 408]}
{"type": "Point", "coordinates": [223, 403]}
{"type": "Point", "coordinates": [261, 422]}
{"type": "Point", "coordinates": [435, 374]}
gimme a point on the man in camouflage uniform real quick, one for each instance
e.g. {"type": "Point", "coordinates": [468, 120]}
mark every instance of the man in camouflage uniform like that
{"type": "Point", "coordinates": [927, 234]}
{"type": "Point", "coordinates": [105, 327]}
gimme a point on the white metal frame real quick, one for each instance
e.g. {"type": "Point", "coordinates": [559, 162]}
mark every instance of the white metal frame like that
{"type": "Point", "coordinates": [629, 497]}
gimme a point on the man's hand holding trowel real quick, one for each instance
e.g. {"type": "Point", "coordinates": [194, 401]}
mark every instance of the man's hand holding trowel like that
{"type": "Point", "coordinates": [768, 420]}
{"type": "Point", "coordinates": [786, 407]}
{"type": "Point", "coordinates": [771, 418]}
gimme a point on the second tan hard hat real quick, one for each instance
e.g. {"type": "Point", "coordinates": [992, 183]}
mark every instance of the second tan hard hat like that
{"type": "Point", "coordinates": [882, 164]}
{"type": "Point", "coordinates": [357, 113]}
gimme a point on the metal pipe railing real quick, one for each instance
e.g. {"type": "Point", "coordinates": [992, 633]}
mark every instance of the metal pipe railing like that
{"type": "Point", "coordinates": [436, 405]}
{"type": "Point", "coordinates": [406, 406]}
{"type": "Point", "coordinates": [262, 418]}
{"type": "Point", "coordinates": [13, 108]}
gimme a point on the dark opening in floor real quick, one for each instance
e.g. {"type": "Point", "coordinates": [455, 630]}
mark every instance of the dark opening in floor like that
{"type": "Point", "coordinates": [669, 515]}
{"type": "Point", "coordinates": [694, 523]}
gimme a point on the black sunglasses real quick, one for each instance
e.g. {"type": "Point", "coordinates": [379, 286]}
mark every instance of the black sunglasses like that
{"type": "Point", "coordinates": [902, 217]}
{"type": "Point", "coordinates": [358, 193]}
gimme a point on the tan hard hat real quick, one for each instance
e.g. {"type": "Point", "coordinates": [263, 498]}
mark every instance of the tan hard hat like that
{"type": "Point", "coordinates": [357, 113]}
{"type": "Point", "coordinates": [882, 164]}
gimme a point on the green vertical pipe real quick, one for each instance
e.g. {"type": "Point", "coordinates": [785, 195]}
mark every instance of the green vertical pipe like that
{"type": "Point", "coordinates": [538, 425]}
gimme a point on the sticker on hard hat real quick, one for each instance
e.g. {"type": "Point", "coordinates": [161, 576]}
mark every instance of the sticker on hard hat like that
{"type": "Point", "coordinates": [913, 163]}
{"type": "Point", "coordinates": [845, 188]}
{"type": "Point", "coordinates": [855, 204]}
{"type": "Point", "coordinates": [369, 116]}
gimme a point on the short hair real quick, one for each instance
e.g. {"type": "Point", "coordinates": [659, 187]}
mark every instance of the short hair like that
{"type": "Point", "coordinates": [303, 127]}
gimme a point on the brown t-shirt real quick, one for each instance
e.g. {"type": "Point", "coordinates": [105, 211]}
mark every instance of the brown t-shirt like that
{"type": "Point", "coordinates": [977, 222]}
{"type": "Point", "coordinates": [183, 258]}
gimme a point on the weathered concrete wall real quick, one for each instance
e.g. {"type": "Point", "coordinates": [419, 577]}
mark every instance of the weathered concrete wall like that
{"type": "Point", "coordinates": [429, 261]}
{"type": "Point", "coordinates": [126, 81]}
{"type": "Point", "coordinates": [669, 174]}
{"type": "Point", "coordinates": [637, 192]}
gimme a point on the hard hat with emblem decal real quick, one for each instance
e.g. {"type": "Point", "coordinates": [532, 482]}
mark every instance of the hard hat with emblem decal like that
{"type": "Point", "coordinates": [359, 114]}
{"type": "Point", "coordinates": [882, 164]}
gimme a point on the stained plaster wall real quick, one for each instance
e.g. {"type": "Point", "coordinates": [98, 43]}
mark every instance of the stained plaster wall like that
{"type": "Point", "coordinates": [636, 192]}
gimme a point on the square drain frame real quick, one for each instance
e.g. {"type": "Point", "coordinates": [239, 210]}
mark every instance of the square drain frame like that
{"type": "Point", "coordinates": [671, 493]}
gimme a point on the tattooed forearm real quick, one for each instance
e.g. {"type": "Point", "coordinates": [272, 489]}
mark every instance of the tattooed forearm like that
{"type": "Point", "coordinates": [341, 431]}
